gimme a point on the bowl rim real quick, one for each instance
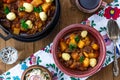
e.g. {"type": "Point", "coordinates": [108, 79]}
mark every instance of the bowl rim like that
{"type": "Point", "coordinates": [33, 67]}
{"type": "Point", "coordinates": [63, 32]}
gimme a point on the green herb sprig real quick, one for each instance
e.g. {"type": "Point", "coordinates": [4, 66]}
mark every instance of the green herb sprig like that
{"type": "Point", "coordinates": [37, 9]}
{"type": "Point", "coordinates": [23, 24]}
{"type": "Point", "coordinates": [72, 47]}
{"type": "Point", "coordinates": [82, 59]}
{"type": "Point", "coordinates": [21, 8]}
{"type": "Point", "coordinates": [77, 38]}
{"type": "Point", "coordinates": [6, 10]}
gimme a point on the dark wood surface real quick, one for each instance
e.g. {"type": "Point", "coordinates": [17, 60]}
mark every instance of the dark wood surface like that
{"type": "Point", "coordinates": [69, 15]}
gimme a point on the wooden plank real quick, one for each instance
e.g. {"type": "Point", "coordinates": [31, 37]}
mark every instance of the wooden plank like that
{"type": "Point", "coordinates": [103, 74]}
{"type": "Point", "coordinates": [2, 65]}
{"type": "Point", "coordinates": [2, 45]}
{"type": "Point", "coordinates": [24, 50]}
{"type": "Point", "coordinates": [118, 77]}
{"type": "Point", "coordinates": [28, 50]}
{"type": "Point", "coordinates": [18, 46]}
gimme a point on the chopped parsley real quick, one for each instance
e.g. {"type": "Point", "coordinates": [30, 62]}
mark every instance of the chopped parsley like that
{"type": "Point", "coordinates": [77, 38]}
{"type": "Point", "coordinates": [23, 24]}
{"type": "Point", "coordinates": [82, 59]}
{"type": "Point", "coordinates": [22, 8]}
{"type": "Point", "coordinates": [37, 9]}
{"type": "Point", "coordinates": [6, 10]}
{"type": "Point", "coordinates": [72, 47]}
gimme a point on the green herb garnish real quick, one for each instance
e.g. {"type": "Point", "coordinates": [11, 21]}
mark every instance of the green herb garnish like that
{"type": "Point", "coordinates": [6, 10]}
{"type": "Point", "coordinates": [82, 59]}
{"type": "Point", "coordinates": [72, 47]}
{"type": "Point", "coordinates": [23, 24]}
{"type": "Point", "coordinates": [22, 8]}
{"type": "Point", "coordinates": [77, 38]}
{"type": "Point", "coordinates": [38, 10]}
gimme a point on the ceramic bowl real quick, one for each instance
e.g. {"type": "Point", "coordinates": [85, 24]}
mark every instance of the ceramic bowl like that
{"type": "Point", "coordinates": [95, 34]}
{"type": "Point", "coordinates": [37, 77]}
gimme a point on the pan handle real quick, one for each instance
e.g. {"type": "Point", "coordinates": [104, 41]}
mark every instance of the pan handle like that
{"type": "Point", "coordinates": [7, 32]}
{"type": "Point", "coordinates": [5, 38]}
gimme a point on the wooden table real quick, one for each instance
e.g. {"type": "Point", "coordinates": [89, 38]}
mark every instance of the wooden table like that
{"type": "Point", "coordinates": [69, 15]}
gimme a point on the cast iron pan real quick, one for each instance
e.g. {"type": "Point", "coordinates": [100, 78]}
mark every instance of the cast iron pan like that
{"type": "Point", "coordinates": [39, 35]}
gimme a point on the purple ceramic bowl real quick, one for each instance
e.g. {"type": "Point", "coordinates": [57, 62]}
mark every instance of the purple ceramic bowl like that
{"type": "Point", "coordinates": [96, 35]}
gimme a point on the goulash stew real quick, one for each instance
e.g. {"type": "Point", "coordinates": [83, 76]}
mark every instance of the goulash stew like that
{"type": "Point", "coordinates": [26, 16]}
{"type": "Point", "coordinates": [78, 51]}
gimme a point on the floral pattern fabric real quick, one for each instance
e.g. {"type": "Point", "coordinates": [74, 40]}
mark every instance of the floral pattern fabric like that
{"type": "Point", "coordinates": [112, 13]}
{"type": "Point", "coordinates": [44, 57]}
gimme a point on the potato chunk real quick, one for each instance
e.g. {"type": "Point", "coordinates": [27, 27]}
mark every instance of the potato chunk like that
{"type": "Point", "coordinates": [86, 62]}
{"type": "Point", "coordinates": [93, 55]}
{"type": "Point", "coordinates": [81, 44]}
{"type": "Point", "coordinates": [95, 46]}
{"type": "Point", "coordinates": [72, 36]}
{"type": "Point", "coordinates": [73, 42]}
{"type": "Point", "coordinates": [86, 54]}
{"type": "Point", "coordinates": [46, 6]}
{"type": "Point", "coordinates": [36, 3]}
{"type": "Point", "coordinates": [16, 31]}
{"type": "Point", "coordinates": [63, 45]}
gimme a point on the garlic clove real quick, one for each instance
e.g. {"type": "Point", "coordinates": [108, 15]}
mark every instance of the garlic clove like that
{"type": "Point", "coordinates": [84, 34]}
{"type": "Point", "coordinates": [93, 62]}
{"type": "Point", "coordinates": [43, 16]}
{"type": "Point", "coordinates": [29, 23]}
{"type": "Point", "coordinates": [66, 56]}
{"type": "Point", "coordinates": [11, 16]}
{"type": "Point", "coordinates": [28, 7]}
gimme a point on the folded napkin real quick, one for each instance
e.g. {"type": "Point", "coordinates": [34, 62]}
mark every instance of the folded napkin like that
{"type": "Point", "coordinates": [44, 57]}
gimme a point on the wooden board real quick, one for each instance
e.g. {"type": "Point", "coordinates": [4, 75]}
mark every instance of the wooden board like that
{"type": "Point", "coordinates": [69, 15]}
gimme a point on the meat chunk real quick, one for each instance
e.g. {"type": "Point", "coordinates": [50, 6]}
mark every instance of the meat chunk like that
{"type": "Point", "coordinates": [5, 23]}
{"type": "Point", "coordinates": [14, 7]}
{"type": "Point", "coordinates": [87, 49]}
{"type": "Point", "coordinates": [8, 1]}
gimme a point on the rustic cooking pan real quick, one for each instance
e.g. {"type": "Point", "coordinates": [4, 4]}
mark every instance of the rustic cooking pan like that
{"type": "Point", "coordinates": [38, 35]}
